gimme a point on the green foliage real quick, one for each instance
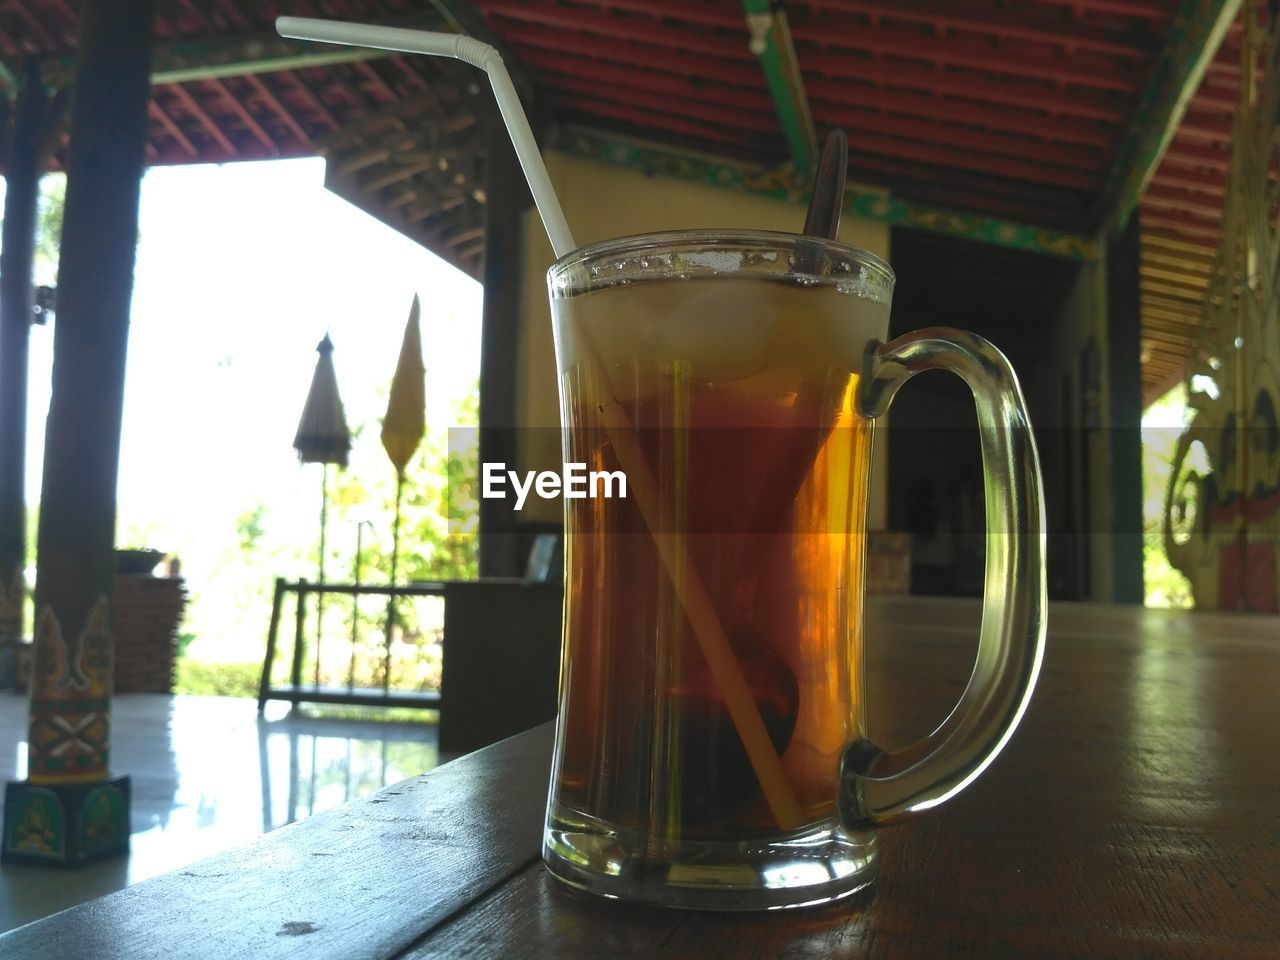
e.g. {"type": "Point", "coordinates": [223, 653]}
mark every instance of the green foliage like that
{"type": "Point", "coordinates": [438, 510]}
{"type": "Point", "coordinates": [50, 206]}
{"type": "Point", "coordinates": [1162, 424]}
{"type": "Point", "coordinates": [217, 679]}
{"type": "Point", "coordinates": [249, 527]}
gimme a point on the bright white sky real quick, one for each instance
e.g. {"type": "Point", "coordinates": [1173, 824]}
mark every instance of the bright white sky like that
{"type": "Point", "coordinates": [241, 269]}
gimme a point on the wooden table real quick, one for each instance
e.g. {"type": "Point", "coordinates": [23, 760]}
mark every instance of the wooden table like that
{"type": "Point", "coordinates": [1135, 814]}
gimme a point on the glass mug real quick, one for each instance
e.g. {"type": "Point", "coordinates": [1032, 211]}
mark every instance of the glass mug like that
{"type": "Point", "coordinates": [711, 745]}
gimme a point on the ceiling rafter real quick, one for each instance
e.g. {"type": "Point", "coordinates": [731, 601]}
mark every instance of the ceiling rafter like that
{"type": "Point", "coordinates": [283, 113]}
{"type": "Point", "coordinates": [1058, 31]}
{"type": "Point", "coordinates": [1191, 45]}
{"type": "Point", "coordinates": [235, 106]}
{"type": "Point", "coordinates": [172, 129]}
{"type": "Point", "coordinates": [210, 126]}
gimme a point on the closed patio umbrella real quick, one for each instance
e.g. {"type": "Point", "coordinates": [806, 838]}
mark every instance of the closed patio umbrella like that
{"type": "Point", "coordinates": [402, 430]}
{"type": "Point", "coordinates": [323, 437]}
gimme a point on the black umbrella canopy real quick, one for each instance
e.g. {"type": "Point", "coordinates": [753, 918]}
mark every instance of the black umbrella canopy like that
{"type": "Point", "coordinates": [323, 436]}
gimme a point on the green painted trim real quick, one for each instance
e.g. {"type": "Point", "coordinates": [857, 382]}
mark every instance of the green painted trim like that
{"type": "Point", "coordinates": [781, 184]}
{"type": "Point", "coordinates": [786, 86]}
{"type": "Point", "coordinates": [317, 58]}
{"type": "Point", "coordinates": [217, 59]}
{"type": "Point", "coordinates": [1193, 41]}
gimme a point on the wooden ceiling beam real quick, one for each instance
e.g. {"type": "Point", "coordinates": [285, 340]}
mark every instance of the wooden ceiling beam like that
{"type": "Point", "coordinates": [1030, 123]}
{"type": "Point", "coordinates": [376, 80]}
{"type": "Point", "coordinates": [1187, 295]}
{"type": "Point", "coordinates": [1182, 225]}
{"type": "Point", "coordinates": [471, 250]}
{"type": "Point", "coordinates": [639, 55]}
{"type": "Point", "coordinates": [725, 18]}
{"type": "Point", "coordinates": [616, 75]}
{"type": "Point", "coordinates": [654, 120]}
{"type": "Point", "coordinates": [1171, 239]}
{"type": "Point", "coordinates": [1199, 250]}
{"type": "Point", "coordinates": [171, 128]}
{"type": "Point", "coordinates": [1171, 327]}
{"type": "Point", "coordinates": [1192, 44]}
{"type": "Point", "coordinates": [980, 142]}
{"type": "Point", "coordinates": [746, 120]}
{"type": "Point", "coordinates": [900, 148]}
{"type": "Point", "coordinates": [279, 109]}
{"type": "Point", "coordinates": [1057, 31]}
{"type": "Point", "coordinates": [1194, 283]}
{"type": "Point", "coordinates": [207, 122]}
{"type": "Point", "coordinates": [630, 29]}
{"type": "Point", "coordinates": [1182, 201]}
{"type": "Point", "coordinates": [301, 90]}
{"type": "Point", "coordinates": [401, 199]}
{"type": "Point", "coordinates": [361, 160]}
{"type": "Point", "coordinates": [1164, 336]}
{"type": "Point", "coordinates": [1175, 306]}
{"type": "Point", "coordinates": [841, 35]}
{"type": "Point", "coordinates": [1180, 311]}
{"type": "Point", "coordinates": [1198, 157]}
{"type": "Point", "coordinates": [250, 122]}
{"type": "Point", "coordinates": [1159, 257]}
{"type": "Point", "coordinates": [1087, 104]}
{"type": "Point", "coordinates": [1200, 125]}
{"type": "Point", "coordinates": [1138, 9]}
{"type": "Point", "coordinates": [394, 176]}
{"type": "Point", "coordinates": [1180, 179]}
{"type": "Point", "coordinates": [434, 205]}
{"type": "Point", "coordinates": [964, 189]}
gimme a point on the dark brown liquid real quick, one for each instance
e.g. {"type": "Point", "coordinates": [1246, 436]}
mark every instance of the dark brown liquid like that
{"type": "Point", "coordinates": [759, 466]}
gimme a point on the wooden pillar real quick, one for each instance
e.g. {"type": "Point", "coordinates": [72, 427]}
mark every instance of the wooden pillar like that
{"type": "Point", "coordinates": [17, 253]}
{"type": "Point", "coordinates": [70, 810]}
{"type": "Point", "coordinates": [1124, 389]}
{"type": "Point", "coordinates": [506, 196]}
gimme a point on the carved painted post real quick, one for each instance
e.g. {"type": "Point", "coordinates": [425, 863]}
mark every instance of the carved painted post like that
{"type": "Point", "coordinates": [71, 809]}
{"type": "Point", "coordinates": [1222, 508]}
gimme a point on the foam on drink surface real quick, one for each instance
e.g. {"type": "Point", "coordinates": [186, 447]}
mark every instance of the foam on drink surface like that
{"type": "Point", "coordinates": [722, 327]}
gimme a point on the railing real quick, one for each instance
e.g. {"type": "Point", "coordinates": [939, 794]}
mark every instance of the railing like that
{"type": "Point", "coordinates": [499, 656]}
{"type": "Point", "coordinates": [296, 691]}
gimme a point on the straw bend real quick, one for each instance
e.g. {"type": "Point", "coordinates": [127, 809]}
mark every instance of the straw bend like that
{"type": "Point", "coordinates": [468, 50]}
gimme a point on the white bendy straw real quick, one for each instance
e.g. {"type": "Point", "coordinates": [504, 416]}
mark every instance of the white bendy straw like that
{"type": "Point", "coordinates": [469, 50]}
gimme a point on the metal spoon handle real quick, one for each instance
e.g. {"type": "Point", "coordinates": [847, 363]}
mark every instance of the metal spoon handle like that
{"type": "Point", "coordinates": [823, 217]}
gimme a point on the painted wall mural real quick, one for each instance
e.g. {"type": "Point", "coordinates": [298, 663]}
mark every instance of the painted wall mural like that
{"type": "Point", "coordinates": [1222, 507]}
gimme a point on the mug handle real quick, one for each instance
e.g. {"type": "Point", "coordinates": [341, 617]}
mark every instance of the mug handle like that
{"type": "Point", "coordinates": [877, 786]}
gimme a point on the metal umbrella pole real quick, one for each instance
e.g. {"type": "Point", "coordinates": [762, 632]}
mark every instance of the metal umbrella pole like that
{"type": "Point", "coordinates": [355, 600]}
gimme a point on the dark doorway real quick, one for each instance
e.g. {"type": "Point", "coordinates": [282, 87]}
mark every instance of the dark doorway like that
{"type": "Point", "coordinates": [1014, 299]}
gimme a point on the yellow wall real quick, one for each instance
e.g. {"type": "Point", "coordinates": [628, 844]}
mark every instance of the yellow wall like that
{"type": "Point", "coordinates": [601, 202]}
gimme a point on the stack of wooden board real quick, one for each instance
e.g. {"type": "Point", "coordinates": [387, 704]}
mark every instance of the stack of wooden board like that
{"type": "Point", "coordinates": [888, 562]}
{"type": "Point", "coordinates": [146, 611]}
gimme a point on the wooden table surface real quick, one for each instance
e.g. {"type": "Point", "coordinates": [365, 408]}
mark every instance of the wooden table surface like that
{"type": "Point", "coordinates": [1136, 813]}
